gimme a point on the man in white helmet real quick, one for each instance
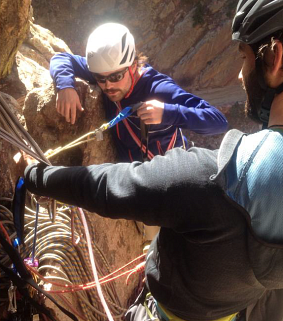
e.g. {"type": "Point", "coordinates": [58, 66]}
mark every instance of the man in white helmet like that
{"type": "Point", "coordinates": [126, 79]}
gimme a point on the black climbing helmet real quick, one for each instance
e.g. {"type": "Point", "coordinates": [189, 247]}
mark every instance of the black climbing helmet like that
{"type": "Point", "coordinates": [256, 19]}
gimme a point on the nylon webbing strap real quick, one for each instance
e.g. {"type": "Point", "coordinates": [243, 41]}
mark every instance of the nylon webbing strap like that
{"type": "Point", "coordinates": [124, 113]}
{"type": "Point", "coordinates": [144, 140]}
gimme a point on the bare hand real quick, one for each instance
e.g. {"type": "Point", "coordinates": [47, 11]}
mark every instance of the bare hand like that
{"type": "Point", "coordinates": [151, 112]}
{"type": "Point", "coordinates": [67, 104]}
{"type": "Point", "coordinates": [27, 158]}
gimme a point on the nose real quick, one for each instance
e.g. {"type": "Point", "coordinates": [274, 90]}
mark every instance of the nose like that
{"type": "Point", "coordinates": [240, 76]}
{"type": "Point", "coordinates": [108, 84]}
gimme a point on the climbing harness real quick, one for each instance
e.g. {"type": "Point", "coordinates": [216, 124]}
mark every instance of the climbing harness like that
{"type": "Point", "coordinates": [157, 311]}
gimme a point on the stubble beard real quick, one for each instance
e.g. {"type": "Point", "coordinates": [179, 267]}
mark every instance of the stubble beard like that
{"type": "Point", "coordinates": [255, 96]}
{"type": "Point", "coordinates": [119, 95]}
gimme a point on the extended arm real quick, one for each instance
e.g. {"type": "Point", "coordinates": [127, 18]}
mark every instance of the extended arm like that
{"type": "Point", "coordinates": [167, 191]}
{"type": "Point", "coordinates": [64, 68]}
{"type": "Point", "coordinates": [186, 110]}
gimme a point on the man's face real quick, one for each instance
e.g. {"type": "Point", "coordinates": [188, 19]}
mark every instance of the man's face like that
{"type": "Point", "coordinates": [248, 75]}
{"type": "Point", "coordinates": [116, 91]}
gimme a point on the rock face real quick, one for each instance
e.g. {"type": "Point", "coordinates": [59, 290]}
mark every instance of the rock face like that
{"type": "Point", "coordinates": [14, 25]}
{"type": "Point", "coordinates": [188, 40]}
{"type": "Point", "coordinates": [118, 240]}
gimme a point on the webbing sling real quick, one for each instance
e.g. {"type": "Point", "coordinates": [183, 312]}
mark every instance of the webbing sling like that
{"type": "Point", "coordinates": [18, 208]}
{"type": "Point", "coordinates": [25, 279]}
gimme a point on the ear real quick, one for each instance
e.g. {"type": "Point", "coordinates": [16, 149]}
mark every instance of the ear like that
{"type": "Point", "coordinates": [277, 67]}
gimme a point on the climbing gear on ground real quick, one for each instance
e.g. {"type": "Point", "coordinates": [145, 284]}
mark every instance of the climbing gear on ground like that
{"type": "Point", "coordinates": [22, 277]}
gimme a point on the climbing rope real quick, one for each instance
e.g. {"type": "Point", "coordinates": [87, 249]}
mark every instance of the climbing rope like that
{"type": "Point", "coordinates": [97, 133]}
{"type": "Point", "coordinates": [64, 266]}
{"type": "Point", "coordinates": [58, 245]}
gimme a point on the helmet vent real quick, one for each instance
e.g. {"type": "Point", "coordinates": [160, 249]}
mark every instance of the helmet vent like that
{"type": "Point", "coordinates": [125, 57]}
{"type": "Point", "coordinates": [124, 41]}
{"type": "Point", "coordinates": [132, 54]}
{"type": "Point", "coordinates": [260, 21]}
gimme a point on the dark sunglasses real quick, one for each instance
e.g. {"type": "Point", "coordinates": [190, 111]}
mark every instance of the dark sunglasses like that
{"type": "Point", "coordinates": [115, 77]}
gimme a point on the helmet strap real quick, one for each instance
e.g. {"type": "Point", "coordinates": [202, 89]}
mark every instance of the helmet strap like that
{"type": "Point", "coordinates": [265, 107]}
{"type": "Point", "coordinates": [133, 82]}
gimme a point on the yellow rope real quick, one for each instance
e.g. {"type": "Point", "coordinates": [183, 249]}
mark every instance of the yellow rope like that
{"type": "Point", "coordinates": [81, 140]}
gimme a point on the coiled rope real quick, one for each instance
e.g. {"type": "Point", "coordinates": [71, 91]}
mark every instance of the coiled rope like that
{"type": "Point", "coordinates": [60, 247]}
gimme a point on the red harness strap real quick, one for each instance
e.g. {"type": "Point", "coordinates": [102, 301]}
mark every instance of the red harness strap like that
{"type": "Point", "coordinates": [137, 140]}
{"type": "Point", "coordinates": [172, 141]}
{"type": "Point", "coordinates": [131, 132]}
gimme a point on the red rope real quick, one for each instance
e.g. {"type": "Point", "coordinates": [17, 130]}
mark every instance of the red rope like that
{"type": "Point", "coordinates": [89, 285]}
{"type": "Point", "coordinates": [5, 233]}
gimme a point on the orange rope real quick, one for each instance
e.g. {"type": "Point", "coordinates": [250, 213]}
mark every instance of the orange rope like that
{"type": "Point", "coordinates": [89, 285]}
{"type": "Point", "coordinates": [5, 233]}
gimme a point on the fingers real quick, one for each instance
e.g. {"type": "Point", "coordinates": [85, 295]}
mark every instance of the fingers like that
{"type": "Point", "coordinates": [151, 112]}
{"type": "Point", "coordinates": [147, 115]}
{"type": "Point", "coordinates": [67, 103]}
{"type": "Point", "coordinates": [70, 112]}
{"type": "Point", "coordinates": [73, 110]}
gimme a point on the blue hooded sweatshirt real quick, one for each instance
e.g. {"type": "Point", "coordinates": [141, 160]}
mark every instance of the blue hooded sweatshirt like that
{"type": "Point", "coordinates": [181, 109]}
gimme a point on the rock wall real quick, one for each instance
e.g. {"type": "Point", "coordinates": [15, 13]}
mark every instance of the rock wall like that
{"type": "Point", "coordinates": [187, 39]}
{"type": "Point", "coordinates": [14, 25]}
{"type": "Point", "coordinates": [118, 240]}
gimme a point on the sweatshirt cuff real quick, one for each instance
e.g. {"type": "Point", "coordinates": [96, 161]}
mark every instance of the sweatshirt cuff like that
{"type": "Point", "coordinates": [65, 83]}
{"type": "Point", "coordinates": [169, 115]}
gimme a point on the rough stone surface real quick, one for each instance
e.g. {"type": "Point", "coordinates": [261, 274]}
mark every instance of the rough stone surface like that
{"type": "Point", "coordinates": [14, 23]}
{"type": "Point", "coordinates": [178, 36]}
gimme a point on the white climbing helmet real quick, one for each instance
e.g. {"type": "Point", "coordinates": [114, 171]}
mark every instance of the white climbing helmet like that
{"type": "Point", "coordinates": [110, 47]}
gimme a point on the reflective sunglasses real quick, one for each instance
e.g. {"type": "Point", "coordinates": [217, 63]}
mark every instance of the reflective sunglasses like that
{"type": "Point", "coordinates": [115, 77]}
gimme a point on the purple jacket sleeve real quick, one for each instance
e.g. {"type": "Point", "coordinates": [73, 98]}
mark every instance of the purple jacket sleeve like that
{"type": "Point", "coordinates": [64, 67]}
{"type": "Point", "coordinates": [186, 110]}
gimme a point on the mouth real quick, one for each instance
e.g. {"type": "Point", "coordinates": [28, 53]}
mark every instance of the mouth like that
{"type": "Point", "coordinates": [111, 92]}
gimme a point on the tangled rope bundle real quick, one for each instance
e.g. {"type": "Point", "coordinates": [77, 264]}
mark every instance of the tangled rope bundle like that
{"type": "Point", "coordinates": [60, 244]}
